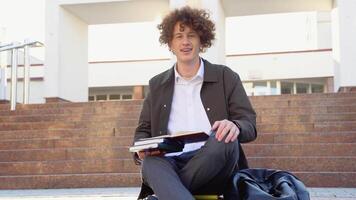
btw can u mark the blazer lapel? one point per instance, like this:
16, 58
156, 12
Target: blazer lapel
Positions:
166, 100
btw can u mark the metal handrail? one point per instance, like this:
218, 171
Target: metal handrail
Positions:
14, 54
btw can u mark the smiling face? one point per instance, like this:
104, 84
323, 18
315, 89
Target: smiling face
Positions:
185, 44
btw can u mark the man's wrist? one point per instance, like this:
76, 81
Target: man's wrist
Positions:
237, 125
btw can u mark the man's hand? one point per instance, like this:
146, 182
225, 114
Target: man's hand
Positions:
143, 154
226, 127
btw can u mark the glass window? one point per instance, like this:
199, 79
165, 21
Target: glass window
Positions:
248, 88
127, 96
260, 88
316, 88
91, 98
286, 88
114, 97
102, 97
274, 90
302, 88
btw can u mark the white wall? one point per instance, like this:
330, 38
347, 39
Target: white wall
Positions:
125, 73
73, 72
36, 92
271, 33
344, 43
125, 41
324, 36
35, 72
282, 66
66, 71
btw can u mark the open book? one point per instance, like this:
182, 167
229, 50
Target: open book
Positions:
169, 143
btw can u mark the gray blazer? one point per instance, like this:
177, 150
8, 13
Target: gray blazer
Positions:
222, 95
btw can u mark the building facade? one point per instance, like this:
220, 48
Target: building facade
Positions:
323, 64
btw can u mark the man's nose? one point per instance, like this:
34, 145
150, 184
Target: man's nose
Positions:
186, 40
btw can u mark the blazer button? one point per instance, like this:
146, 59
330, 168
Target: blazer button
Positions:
208, 109
165, 105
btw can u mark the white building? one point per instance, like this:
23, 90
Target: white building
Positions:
318, 60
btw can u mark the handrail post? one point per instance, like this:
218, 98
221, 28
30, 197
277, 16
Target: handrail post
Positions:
3, 78
13, 97
26, 76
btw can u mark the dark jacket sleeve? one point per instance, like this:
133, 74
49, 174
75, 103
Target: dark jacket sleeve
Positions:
239, 106
143, 129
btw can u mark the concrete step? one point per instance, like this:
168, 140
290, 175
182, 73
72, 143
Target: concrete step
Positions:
73, 110
324, 97
310, 164
315, 108
70, 181
325, 149
66, 133
328, 179
130, 125
261, 118
116, 141
304, 138
101, 180
284, 103
68, 117
296, 97
305, 163
64, 154
302, 110
259, 150
10, 126
65, 105
307, 127
69, 167
301, 118
110, 141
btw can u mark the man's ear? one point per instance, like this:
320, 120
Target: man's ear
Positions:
169, 47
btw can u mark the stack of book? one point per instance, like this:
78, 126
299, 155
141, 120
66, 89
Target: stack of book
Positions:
169, 143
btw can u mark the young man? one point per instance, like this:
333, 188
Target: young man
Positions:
194, 95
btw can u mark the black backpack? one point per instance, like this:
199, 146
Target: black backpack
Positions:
267, 184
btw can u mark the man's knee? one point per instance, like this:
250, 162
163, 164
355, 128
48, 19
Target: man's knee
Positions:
153, 165
219, 148
149, 163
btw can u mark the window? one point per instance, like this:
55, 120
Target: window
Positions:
302, 88
127, 96
91, 98
316, 88
102, 97
260, 88
114, 97
286, 88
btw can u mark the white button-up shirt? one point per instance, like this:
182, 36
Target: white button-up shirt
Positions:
187, 110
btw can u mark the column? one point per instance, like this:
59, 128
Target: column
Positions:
66, 59
278, 85
268, 92
329, 85
344, 44
138, 92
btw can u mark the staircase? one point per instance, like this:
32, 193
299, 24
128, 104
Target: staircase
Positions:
70, 145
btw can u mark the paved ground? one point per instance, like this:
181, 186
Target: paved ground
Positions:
131, 194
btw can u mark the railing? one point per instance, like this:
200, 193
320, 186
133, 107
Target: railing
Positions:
14, 47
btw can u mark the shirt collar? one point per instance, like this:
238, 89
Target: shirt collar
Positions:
199, 75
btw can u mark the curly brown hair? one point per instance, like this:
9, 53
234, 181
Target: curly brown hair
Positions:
196, 19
